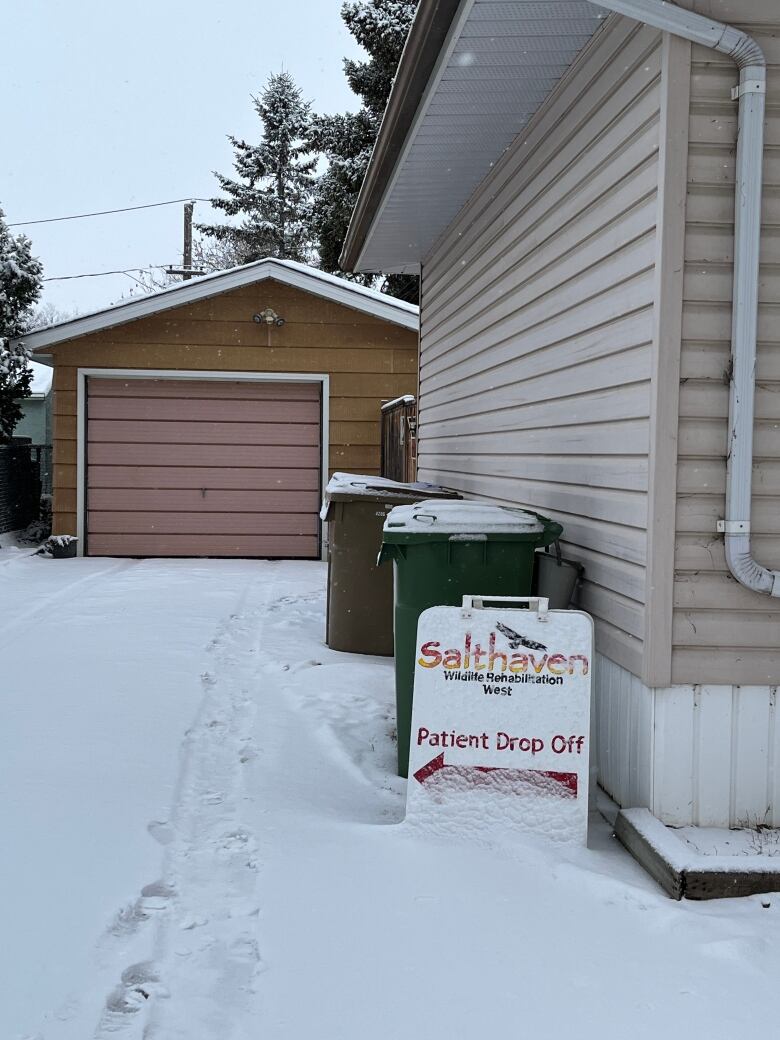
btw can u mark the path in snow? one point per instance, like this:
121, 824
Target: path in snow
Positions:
205, 950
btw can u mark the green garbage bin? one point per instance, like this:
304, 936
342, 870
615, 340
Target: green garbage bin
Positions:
359, 617
443, 551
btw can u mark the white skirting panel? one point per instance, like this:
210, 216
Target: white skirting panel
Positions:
703, 755
623, 734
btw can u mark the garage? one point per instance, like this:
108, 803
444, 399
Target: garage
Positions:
203, 467
205, 419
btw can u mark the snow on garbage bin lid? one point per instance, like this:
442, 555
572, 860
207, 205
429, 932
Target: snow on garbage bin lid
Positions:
353, 485
442, 517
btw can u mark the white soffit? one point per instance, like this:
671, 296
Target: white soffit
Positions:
501, 60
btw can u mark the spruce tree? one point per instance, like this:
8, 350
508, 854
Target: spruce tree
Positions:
20, 287
274, 189
381, 28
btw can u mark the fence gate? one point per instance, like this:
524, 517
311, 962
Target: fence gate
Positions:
399, 439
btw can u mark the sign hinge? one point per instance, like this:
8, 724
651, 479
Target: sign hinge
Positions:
751, 86
733, 527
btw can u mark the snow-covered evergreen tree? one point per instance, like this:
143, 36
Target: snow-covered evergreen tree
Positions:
20, 287
274, 190
381, 28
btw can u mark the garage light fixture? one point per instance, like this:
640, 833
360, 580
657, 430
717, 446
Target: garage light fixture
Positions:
268, 317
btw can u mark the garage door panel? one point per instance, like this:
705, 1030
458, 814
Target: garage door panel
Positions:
287, 546
213, 501
228, 477
134, 432
138, 522
203, 468
209, 390
204, 455
182, 409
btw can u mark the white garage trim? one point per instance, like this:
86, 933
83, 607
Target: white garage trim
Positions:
167, 373
288, 272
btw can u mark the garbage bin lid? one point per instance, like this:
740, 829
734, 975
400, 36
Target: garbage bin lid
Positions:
432, 518
351, 487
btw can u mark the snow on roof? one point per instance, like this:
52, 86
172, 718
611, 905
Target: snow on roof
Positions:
301, 276
41, 381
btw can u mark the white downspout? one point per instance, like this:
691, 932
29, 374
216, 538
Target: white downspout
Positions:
751, 93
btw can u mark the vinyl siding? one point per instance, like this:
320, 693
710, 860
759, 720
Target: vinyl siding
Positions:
368, 360
722, 632
538, 324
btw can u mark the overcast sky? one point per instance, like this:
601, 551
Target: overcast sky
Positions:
108, 105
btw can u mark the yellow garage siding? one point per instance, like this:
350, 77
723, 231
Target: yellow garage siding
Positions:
368, 359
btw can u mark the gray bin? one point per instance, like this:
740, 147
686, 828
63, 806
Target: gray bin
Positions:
556, 579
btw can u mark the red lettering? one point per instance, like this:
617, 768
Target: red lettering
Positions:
430, 650
493, 656
583, 659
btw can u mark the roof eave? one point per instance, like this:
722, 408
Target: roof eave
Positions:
297, 275
430, 28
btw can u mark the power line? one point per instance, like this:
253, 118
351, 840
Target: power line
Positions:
106, 212
102, 274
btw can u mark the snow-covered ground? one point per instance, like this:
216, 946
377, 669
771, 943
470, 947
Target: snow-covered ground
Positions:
202, 837
755, 841
14, 545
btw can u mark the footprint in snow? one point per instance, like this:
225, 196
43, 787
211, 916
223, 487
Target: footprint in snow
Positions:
190, 923
139, 983
235, 840
161, 831
127, 920
306, 664
156, 896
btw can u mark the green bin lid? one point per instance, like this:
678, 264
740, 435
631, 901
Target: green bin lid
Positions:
352, 487
437, 520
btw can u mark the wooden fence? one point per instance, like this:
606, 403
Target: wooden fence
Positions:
399, 439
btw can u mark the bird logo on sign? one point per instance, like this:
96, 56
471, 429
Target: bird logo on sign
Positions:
516, 640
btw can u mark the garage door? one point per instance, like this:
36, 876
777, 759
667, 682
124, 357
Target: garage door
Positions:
182, 467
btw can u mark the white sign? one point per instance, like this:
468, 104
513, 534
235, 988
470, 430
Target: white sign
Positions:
501, 716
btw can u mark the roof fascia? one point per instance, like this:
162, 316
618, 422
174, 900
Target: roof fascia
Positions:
396, 311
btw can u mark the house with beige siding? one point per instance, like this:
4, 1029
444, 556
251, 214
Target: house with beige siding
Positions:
562, 176
205, 419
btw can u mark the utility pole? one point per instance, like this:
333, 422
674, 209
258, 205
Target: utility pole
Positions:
188, 209
187, 270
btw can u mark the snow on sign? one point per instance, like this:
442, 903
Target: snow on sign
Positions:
501, 717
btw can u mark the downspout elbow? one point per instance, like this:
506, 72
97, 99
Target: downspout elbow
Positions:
747, 570
743, 49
